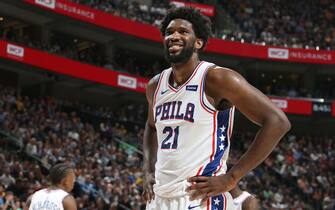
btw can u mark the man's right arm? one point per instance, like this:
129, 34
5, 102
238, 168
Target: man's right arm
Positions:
69, 203
149, 143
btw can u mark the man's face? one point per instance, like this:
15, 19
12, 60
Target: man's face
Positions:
69, 181
179, 41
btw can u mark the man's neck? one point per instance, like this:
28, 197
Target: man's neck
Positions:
181, 72
56, 187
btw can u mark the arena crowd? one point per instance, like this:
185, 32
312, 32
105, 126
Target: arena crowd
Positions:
296, 176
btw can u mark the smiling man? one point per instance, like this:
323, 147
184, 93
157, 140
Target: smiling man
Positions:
190, 121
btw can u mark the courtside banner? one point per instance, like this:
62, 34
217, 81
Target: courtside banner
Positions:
127, 81
61, 65
100, 18
46, 3
15, 51
293, 106
322, 108
204, 8
270, 53
71, 68
149, 32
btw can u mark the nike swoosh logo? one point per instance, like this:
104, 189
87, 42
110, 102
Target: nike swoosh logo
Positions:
192, 207
162, 92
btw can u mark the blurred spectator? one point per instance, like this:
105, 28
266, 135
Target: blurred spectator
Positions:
7, 179
307, 24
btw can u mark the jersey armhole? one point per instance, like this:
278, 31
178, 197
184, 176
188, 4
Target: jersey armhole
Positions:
206, 105
157, 89
231, 122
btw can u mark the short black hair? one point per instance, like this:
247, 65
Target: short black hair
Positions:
201, 24
58, 172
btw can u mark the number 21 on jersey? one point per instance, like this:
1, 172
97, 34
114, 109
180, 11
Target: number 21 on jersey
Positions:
168, 143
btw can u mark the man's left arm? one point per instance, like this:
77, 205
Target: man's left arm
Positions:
226, 84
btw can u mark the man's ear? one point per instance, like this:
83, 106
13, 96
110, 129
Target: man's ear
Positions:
199, 43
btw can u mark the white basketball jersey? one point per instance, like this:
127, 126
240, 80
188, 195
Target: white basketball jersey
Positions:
47, 199
193, 137
238, 201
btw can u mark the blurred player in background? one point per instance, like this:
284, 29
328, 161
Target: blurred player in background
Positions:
57, 195
190, 119
243, 200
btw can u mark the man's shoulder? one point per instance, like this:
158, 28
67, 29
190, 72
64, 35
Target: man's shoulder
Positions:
216, 69
152, 85
221, 82
154, 80
218, 73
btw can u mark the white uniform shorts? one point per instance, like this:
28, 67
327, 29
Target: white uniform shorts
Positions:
220, 202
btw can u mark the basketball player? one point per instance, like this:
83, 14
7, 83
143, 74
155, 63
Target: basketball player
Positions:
190, 119
56, 196
243, 200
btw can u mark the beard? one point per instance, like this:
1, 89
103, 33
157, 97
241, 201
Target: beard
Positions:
182, 57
